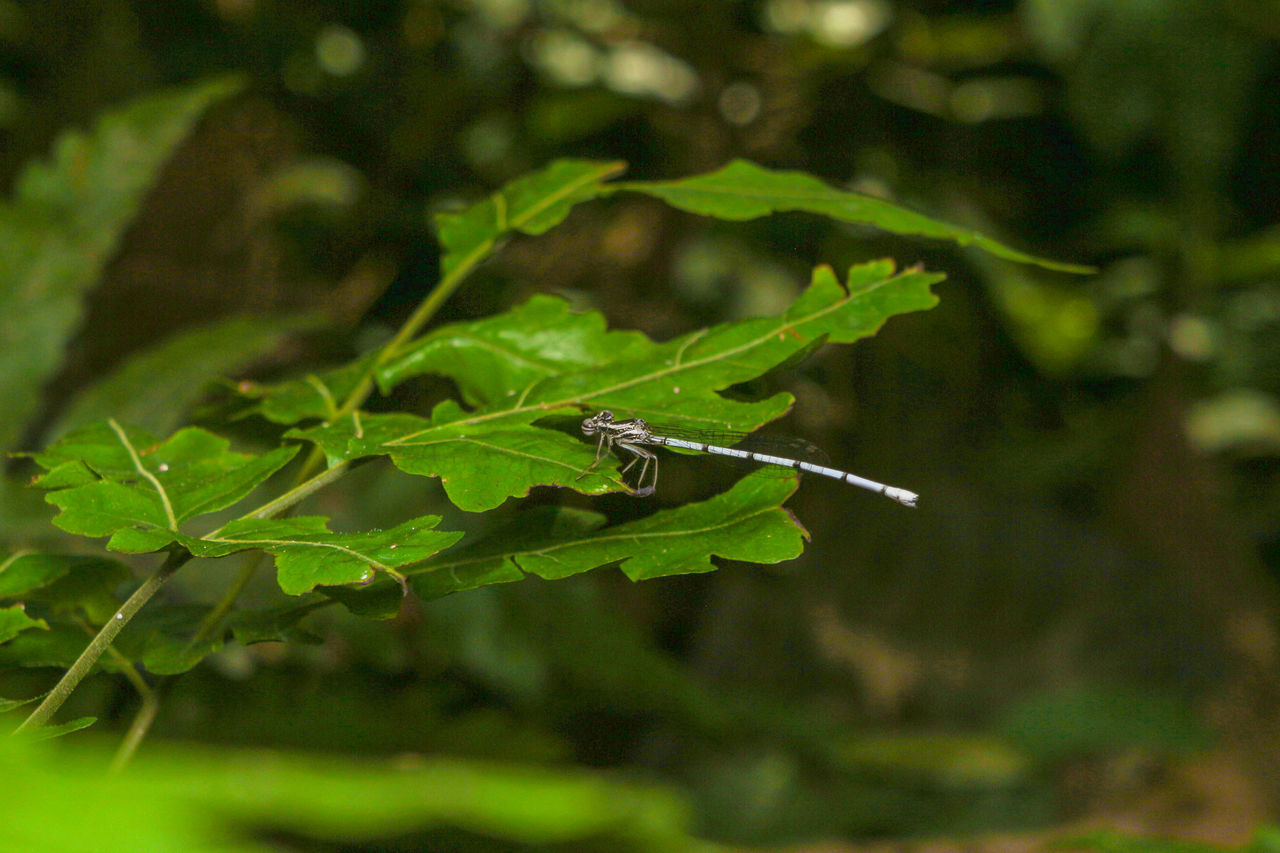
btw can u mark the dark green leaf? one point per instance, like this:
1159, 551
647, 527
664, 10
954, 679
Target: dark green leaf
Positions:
62, 225
57, 647
155, 388
308, 554
66, 582
280, 624
531, 204
494, 452
381, 600
147, 489
161, 638
14, 620
744, 190
317, 395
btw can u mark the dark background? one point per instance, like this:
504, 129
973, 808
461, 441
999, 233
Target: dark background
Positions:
1077, 625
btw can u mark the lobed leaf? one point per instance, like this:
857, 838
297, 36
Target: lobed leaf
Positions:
744, 523
145, 489
308, 554
64, 221
743, 190
496, 451
490, 359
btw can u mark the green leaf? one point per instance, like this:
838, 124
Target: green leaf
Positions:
155, 388
495, 452
7, 705
213, 798
308, 554
317, 395
161, 638
280, 624
14, 620
66, 582
60, 729
57, 647
63, 223
148, 489
532, 204
743, 190
744, 523
24, 571
489, 359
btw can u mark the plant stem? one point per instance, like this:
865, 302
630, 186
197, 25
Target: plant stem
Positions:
102, 641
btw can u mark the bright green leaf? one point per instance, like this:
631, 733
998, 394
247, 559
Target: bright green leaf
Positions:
147, 488
206, 798
64, 221
490, 359
308, 554
14, 620
744, 190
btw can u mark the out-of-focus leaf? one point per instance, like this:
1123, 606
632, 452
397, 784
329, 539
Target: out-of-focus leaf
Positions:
161, 638
87, 584
278, 624
531, 204
1054, 726
317, 395
494, 452
744, 190
936, 760
146, 488
205, 798
64, 220
23, 571
57, 647
14, 620
7, 705
308, 554
59, 729
154, 389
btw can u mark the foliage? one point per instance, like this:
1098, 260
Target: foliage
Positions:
1133, 136
200, 798
517, 372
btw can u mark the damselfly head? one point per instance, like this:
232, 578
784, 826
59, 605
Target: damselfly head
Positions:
596, 423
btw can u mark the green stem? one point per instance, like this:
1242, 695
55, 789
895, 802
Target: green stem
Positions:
142, 719
101, 642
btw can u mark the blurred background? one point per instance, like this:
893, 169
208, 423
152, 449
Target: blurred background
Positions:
1078, 626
